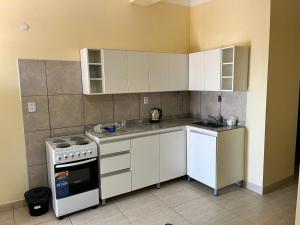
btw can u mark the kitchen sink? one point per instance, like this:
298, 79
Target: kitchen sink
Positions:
211, 124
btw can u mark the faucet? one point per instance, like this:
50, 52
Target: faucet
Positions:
218, 119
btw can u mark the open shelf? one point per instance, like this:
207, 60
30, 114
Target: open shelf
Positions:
228, 55
96, 86
227, 84
95, 71
227, 70
94, 56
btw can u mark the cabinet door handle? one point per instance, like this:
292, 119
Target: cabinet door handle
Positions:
114, 154
115, 172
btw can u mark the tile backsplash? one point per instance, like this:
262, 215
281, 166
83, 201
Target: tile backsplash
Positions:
62, 109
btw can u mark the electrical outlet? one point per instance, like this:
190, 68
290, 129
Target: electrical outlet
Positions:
219, 98
31, 107
146, 100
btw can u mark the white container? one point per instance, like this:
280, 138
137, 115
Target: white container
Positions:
232, 121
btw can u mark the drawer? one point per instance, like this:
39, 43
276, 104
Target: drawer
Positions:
114, 163
113, 147
115, 184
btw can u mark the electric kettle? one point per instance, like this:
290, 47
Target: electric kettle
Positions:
155, 115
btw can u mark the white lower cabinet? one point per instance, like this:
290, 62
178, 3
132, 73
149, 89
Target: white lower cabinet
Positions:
172, 160
145, 161
215, 160
115, 184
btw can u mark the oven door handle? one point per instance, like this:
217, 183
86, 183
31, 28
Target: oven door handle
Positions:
75, 164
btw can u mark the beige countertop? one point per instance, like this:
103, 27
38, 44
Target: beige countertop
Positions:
138, 128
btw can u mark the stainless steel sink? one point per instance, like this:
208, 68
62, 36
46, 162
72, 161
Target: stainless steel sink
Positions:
207, 123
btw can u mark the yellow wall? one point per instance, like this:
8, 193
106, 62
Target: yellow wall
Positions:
58, 30
283, 91
226, 22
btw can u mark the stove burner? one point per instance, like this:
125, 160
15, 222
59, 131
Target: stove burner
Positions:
64, 145
82, 142
59, 141
77, 138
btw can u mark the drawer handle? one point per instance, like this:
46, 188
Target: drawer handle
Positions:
114, 154
115, 172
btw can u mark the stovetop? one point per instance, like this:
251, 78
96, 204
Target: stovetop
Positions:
73, 141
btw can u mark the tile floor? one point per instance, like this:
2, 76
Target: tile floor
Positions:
180, 203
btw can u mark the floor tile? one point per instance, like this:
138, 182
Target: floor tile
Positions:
107, 215
176, 193
7, 217
163, 217
65, 221
204, 211
140, 205
22, 216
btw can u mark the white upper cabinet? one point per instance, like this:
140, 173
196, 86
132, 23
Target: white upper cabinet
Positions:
115, 71
223, 69
212, 68
196, 71
178, 72
138, 71
159, 71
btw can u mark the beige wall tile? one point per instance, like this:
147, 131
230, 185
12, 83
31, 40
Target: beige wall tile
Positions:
154, 101
98, 109
172, 104
185, 102
126, 107
65, 111
234, 104
210, 104
32, 77
37, 120
195, 103
37, 176
63, 77
35, 147
67, 131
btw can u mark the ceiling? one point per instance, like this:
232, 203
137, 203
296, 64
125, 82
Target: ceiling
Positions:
178, 2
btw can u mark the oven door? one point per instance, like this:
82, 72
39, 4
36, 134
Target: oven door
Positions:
76, 177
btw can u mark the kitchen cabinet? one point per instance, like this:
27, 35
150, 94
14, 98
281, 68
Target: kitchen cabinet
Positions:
212, 68
138, 71
115, 71
216, 160
196, 72
223, 69
158, 71
145, 161
172, 153
178, 72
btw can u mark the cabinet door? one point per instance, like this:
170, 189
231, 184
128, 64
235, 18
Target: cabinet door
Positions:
201, 158
145, 161
178, 72
158, 71
172, 155
115, 71
196, 71
138, 71
212, 70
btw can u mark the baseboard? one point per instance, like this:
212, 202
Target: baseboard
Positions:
254, 187
278, 184
11, 205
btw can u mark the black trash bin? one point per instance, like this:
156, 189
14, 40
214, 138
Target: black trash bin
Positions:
38, 200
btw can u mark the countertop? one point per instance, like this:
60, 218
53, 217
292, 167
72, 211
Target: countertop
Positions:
139, 128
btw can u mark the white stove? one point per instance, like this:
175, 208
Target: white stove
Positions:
73, 173
71, 148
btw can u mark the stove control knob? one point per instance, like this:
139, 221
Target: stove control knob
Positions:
84, 153
78, 154
65, 156
58, 158
72, 155
90, 152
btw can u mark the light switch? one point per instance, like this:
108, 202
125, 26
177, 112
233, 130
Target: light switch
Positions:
31, 107
146, 100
